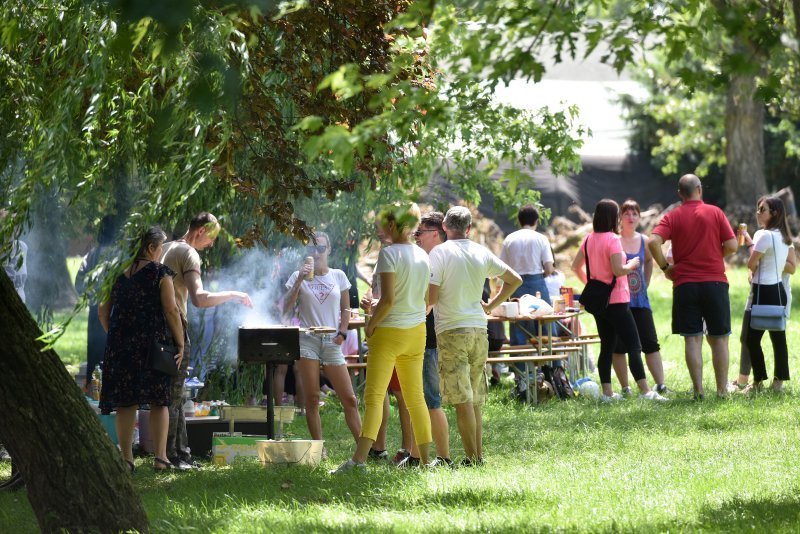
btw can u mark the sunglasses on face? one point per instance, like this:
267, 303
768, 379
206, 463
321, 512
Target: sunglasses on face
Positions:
420, 232
319, 249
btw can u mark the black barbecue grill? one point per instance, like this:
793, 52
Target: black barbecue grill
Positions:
271, 346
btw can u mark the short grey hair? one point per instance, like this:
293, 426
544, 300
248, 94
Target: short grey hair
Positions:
457, 219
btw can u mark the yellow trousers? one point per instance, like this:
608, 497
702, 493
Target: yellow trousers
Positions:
402, 349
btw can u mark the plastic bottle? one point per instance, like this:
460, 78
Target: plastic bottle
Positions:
97, 382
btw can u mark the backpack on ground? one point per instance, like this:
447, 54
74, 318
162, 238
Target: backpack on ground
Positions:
558, 379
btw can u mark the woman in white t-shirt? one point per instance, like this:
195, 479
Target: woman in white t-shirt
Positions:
769, 248
396, 332
323, 301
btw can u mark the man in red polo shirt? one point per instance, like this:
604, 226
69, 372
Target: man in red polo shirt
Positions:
701, 238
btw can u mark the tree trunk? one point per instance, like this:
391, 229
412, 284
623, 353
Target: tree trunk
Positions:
75, 477
745, 181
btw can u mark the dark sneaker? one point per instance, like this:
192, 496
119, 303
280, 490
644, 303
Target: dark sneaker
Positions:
401, 455
408, 462
447, 462
180, 465
347, 467
469, 462
381, 456
662, 389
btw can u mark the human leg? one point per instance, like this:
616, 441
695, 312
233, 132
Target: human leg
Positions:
125, 423
409, 365
340, 379
177, 438
456, 382
745, 366
279, 383
159, 425
625, 327
620, 364
433, 399
608, 336
781, 351
716, 309
693, 346
467, 428
720, 359
379, 371
308, 371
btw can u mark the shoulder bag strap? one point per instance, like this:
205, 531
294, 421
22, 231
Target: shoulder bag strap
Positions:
586, 254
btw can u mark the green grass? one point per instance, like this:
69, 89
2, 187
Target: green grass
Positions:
719, 465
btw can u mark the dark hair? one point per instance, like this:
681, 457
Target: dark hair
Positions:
630, 205
777, 219
606, 216
434, 221
528, 215
152, 236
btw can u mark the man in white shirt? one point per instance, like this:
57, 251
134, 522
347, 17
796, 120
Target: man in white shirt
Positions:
458, 270
528, 253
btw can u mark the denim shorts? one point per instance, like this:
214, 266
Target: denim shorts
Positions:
430, 379
322, 348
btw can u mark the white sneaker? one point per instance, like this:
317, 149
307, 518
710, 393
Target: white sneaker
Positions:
614, 397
652, 395
349, 465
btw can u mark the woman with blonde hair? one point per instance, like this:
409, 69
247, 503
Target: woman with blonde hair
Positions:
396, 332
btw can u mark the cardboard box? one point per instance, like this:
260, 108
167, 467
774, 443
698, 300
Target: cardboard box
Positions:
226, 448
568, 295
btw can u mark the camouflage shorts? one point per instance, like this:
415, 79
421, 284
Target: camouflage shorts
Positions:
462, 365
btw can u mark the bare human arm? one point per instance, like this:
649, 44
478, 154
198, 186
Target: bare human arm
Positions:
104, 314
730, 246
623, 270
344, 319
511, 281
648, 265
577, 265
549, 268
384, 305
206, 299
172, 315
791, 262
654, 245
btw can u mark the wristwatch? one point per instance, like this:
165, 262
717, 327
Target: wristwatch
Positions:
343, 334
665, 267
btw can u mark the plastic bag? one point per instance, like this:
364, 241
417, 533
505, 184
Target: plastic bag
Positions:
533, 306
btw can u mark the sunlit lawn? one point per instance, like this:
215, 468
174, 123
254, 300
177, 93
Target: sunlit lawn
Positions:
720, 465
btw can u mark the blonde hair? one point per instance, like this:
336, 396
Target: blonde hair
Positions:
404, 216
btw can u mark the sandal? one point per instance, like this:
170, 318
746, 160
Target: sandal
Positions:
130, 464
166, 464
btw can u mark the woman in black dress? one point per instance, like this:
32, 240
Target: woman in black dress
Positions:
141, 307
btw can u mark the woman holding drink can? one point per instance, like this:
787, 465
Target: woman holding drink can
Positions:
322, 300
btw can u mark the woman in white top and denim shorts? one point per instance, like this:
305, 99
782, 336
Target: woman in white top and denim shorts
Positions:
323, 301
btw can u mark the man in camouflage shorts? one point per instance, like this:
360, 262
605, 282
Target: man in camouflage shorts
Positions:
459, 268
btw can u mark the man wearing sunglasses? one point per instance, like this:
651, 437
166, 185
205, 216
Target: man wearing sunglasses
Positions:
181, 256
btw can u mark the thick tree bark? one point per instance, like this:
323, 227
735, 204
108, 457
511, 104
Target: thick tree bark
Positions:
75, 477
745, 180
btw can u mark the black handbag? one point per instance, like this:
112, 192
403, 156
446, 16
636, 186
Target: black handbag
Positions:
161, 358
768, 316
596, 294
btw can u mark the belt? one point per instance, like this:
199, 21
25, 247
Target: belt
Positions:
539, 276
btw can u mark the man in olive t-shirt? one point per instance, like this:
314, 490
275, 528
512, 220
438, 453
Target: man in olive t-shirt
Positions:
181, 256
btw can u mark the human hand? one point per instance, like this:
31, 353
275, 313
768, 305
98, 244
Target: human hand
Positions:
366, 302
748, 241
486, 308
339, 339
243, 299
632, 264
369, 330
305, 270
179, 357
668, 272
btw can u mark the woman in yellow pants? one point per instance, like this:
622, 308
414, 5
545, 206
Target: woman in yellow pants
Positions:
396, 332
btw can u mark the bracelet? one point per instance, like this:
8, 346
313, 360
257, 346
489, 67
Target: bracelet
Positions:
751, 245
340, 333
664, 268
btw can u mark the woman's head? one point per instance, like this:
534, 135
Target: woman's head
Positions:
319, 248
398, 221
630, 213
771, 214
606, 216
150, 243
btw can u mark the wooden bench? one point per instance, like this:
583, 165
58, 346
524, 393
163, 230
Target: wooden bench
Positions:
525, 361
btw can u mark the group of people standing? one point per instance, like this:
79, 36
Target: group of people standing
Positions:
701, 237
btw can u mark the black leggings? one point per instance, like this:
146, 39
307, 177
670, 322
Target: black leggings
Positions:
617, 320
768, 295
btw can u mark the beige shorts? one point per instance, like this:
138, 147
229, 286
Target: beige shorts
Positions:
462, 365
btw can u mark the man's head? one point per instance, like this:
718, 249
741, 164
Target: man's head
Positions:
690, 188
203, 230
457, 222
528, 215
430, 232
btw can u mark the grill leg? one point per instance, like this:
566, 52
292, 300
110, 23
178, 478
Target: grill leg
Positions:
270, 402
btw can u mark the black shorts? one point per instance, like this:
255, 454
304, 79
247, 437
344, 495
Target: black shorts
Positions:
643, 317
699, 304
